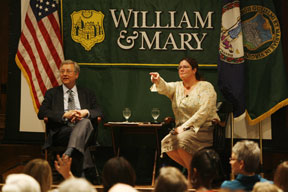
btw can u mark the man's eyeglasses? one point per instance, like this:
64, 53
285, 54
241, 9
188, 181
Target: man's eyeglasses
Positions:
69, 72
183, 66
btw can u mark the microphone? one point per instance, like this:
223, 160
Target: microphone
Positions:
187, 95
69, 100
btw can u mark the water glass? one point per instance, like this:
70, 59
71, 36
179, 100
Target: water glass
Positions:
126, 113
155, 114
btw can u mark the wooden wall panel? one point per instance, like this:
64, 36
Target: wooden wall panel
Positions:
4, 34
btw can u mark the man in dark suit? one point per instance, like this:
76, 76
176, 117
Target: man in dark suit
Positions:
70, 110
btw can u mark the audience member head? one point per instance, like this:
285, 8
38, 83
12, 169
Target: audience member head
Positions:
281, 176
20, 183
40, 170
121, 187
76, 184
117, 170
170, 179
245, 157
265, 187
206, 168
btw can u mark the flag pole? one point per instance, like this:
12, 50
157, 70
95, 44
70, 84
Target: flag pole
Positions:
62, 19
232, 177
261, 147
232, 129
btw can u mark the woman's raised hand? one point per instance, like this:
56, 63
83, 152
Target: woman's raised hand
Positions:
155, 77
63, 166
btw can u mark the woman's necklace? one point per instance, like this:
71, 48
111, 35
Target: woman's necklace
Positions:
188, 89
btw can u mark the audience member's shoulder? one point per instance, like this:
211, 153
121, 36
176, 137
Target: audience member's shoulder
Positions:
261, 179
265, 180
121, 187
232, 185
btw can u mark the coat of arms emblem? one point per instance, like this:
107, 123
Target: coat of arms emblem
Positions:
87, 28
262, 31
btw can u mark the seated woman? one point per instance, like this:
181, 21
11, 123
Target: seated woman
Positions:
194, 107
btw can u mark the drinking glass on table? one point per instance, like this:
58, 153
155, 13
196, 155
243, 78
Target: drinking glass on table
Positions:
126, 113
155, 114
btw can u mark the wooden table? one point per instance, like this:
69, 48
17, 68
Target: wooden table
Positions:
136, 128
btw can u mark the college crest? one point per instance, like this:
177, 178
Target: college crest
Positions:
87, 28
231, 46
262, 32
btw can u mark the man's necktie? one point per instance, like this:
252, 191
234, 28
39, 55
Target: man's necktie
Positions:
71, 104
71, 101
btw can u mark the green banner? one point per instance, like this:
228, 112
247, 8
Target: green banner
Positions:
130, 38
266, 81
140, 33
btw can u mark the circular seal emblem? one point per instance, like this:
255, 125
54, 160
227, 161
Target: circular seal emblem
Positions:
261, 30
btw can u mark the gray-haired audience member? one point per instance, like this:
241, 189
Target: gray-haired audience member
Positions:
21, 183
121, 187
76, 184
266, 187
245, 161
170, 179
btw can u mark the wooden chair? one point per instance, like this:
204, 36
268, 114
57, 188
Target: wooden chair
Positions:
51, 152
224, 109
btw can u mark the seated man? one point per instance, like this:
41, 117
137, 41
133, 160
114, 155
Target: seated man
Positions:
245, 161
69, 109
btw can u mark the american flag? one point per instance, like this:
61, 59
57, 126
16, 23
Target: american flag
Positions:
40, 49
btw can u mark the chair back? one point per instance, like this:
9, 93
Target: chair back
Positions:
224, 109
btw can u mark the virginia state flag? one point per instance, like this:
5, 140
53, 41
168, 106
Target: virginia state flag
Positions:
266, 83
231, 57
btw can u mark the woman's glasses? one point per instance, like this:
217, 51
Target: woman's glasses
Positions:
183, 66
